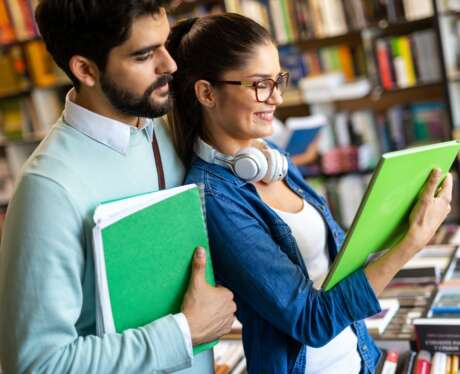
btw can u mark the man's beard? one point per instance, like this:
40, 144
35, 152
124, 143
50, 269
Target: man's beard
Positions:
131, 104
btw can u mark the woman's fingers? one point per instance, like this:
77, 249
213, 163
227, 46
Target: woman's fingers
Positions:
432, 184
445, 191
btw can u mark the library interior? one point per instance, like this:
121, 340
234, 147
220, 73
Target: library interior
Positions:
366, 77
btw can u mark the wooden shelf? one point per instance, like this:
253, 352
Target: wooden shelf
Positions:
354, 36
378, 101
386, 99
26, 91
407, 27
4, 95
20, 42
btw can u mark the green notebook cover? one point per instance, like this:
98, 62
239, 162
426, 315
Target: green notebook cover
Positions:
382, 218
148, 256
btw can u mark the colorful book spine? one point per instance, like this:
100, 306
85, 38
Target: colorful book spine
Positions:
384, 65
406, 56
346, 62
41, 65
7, 34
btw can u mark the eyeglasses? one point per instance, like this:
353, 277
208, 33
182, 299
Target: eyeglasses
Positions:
265, 87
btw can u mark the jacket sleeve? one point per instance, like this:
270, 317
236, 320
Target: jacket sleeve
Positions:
42, 267
252, 265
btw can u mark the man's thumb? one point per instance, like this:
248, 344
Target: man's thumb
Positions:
198, 267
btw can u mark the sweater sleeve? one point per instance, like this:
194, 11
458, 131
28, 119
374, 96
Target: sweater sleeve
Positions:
42, 265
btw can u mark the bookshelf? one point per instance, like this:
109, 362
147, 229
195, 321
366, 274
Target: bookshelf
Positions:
318, 44
32, 91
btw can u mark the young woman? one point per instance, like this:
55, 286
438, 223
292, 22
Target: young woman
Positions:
272, 237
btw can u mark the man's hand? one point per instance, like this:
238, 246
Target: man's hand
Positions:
210, 311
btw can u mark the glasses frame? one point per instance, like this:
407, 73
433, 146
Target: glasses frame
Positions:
254, 84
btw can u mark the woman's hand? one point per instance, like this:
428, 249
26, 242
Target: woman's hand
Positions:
427, 215
429, 212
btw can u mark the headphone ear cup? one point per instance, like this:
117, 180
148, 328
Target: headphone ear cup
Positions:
250, 164
273, 161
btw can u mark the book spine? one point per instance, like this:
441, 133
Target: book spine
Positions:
423, 363
28, 17
391, 363
384, 62
406, 55
41, 65
277, 18
7, 34
346, 62
18, 19
286, 20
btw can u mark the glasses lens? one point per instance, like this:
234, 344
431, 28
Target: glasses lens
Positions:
264, 89
282, 82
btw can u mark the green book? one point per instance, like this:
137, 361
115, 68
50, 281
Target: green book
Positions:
143, 250
383, 216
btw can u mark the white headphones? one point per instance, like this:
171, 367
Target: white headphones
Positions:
252, 164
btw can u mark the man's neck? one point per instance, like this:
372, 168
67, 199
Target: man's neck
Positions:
100, 105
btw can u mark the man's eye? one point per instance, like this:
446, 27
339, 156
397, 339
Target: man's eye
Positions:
144, 57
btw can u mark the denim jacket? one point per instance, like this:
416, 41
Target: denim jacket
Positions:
256, 256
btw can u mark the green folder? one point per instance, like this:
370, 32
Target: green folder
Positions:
143, 249
382, 218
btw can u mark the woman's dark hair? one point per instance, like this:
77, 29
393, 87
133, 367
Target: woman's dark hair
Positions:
205, 48
89, 28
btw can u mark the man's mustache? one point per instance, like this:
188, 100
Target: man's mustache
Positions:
164, 79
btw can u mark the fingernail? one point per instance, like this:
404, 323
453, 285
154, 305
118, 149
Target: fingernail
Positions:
200, 252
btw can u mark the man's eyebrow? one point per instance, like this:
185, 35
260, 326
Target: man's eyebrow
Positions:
143, 51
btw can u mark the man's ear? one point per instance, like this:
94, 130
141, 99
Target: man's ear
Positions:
84, 70
205, 94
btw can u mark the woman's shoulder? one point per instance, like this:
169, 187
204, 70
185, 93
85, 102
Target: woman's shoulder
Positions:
215, 179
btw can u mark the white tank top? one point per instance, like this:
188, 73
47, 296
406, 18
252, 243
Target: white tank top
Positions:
340, 355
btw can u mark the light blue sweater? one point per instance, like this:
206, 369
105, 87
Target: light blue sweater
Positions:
47, 315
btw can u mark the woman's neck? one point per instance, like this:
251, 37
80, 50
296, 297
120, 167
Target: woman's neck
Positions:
224, 142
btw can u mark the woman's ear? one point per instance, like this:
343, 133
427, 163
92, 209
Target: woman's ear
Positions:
84, 70
205, 93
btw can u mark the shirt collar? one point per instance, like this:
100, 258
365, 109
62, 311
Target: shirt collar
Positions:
112, 133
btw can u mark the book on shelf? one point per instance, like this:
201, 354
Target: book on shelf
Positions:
417, 9
29, 117
143, 250
13, 72
42, 68
22, 17
7, 34
377, 324
331, 87
449, 28
417, 275
15, 118
298, 133
404, 61
438, 334
391, 363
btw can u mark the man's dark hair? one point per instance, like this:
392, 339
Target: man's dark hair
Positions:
89, 28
